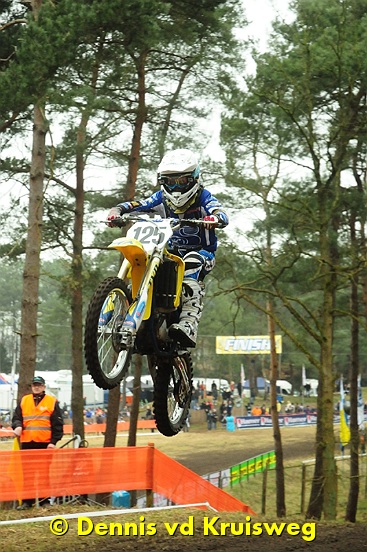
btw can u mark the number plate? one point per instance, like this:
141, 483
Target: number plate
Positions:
151, 234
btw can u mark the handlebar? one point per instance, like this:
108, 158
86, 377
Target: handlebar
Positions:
121, 221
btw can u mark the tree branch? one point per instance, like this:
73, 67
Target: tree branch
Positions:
11, 23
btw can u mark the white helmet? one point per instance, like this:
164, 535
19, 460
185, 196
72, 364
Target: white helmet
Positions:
179, 177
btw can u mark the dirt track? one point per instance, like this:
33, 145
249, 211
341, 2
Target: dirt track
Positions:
209, 451
203, 452
329, 538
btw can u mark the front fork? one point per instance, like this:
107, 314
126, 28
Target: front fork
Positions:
138, 308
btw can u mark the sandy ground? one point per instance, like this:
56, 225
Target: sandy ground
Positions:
204, 452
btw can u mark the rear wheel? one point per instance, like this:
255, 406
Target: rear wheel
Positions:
172, 392
106, 360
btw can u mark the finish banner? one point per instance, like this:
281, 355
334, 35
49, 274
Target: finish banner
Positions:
246, 345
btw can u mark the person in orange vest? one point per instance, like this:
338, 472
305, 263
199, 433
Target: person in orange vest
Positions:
37, 422
256, 411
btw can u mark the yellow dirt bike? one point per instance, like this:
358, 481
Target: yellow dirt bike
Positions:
130, 313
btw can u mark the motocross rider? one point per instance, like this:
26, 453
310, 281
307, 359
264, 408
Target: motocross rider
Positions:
182, 195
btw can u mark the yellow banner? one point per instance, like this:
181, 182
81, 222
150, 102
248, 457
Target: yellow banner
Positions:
246, 345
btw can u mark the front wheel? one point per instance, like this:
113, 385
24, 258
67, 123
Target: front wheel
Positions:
172, 392
106, 360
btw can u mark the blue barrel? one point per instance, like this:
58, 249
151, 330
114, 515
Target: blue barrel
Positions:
121, 499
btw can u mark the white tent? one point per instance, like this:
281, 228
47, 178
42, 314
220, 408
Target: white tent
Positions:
5, 397
314, 384
59, 383
284, 387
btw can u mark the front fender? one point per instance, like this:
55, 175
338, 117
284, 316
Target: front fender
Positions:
135, 254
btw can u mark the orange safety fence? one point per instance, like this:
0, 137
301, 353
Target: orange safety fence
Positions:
101, 428
93, 428
59, 472
187, 487
6, 433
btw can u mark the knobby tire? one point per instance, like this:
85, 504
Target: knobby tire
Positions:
100, 354
171, 411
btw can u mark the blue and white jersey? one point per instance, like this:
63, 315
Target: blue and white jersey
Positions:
187, 238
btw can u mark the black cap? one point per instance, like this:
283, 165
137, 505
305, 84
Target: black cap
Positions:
38, 379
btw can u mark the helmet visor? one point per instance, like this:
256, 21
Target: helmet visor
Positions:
179, 183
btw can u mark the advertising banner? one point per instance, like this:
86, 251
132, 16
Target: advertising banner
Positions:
246, 422
251, 467
246, 345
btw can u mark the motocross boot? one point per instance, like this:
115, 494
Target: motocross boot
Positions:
185, 331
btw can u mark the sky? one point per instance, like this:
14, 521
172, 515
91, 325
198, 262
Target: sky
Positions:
260, 14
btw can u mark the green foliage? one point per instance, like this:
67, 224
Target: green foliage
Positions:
304, 79
305, 110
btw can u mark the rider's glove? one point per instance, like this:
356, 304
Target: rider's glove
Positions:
125, 207
213, 219
115, 213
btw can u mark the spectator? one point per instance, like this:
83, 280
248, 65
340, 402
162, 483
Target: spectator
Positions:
362, 438
229, 406
100, 415
208, 419
196, 396
38, 423
186, 425
230, 423
223, 416
149, 416
256, 411
214, 418
289, 408
89, 415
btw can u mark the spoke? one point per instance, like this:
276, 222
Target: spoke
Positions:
104, 348
106, 351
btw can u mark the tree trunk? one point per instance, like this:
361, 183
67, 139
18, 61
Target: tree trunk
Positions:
314, 510
327, 414
252, 379
134, 165
279, 468
134, 414
77, 403
111, 432
112, 417
324, 486
31, 273
141, 115
353, 391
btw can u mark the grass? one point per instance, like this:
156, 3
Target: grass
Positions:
251, 490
